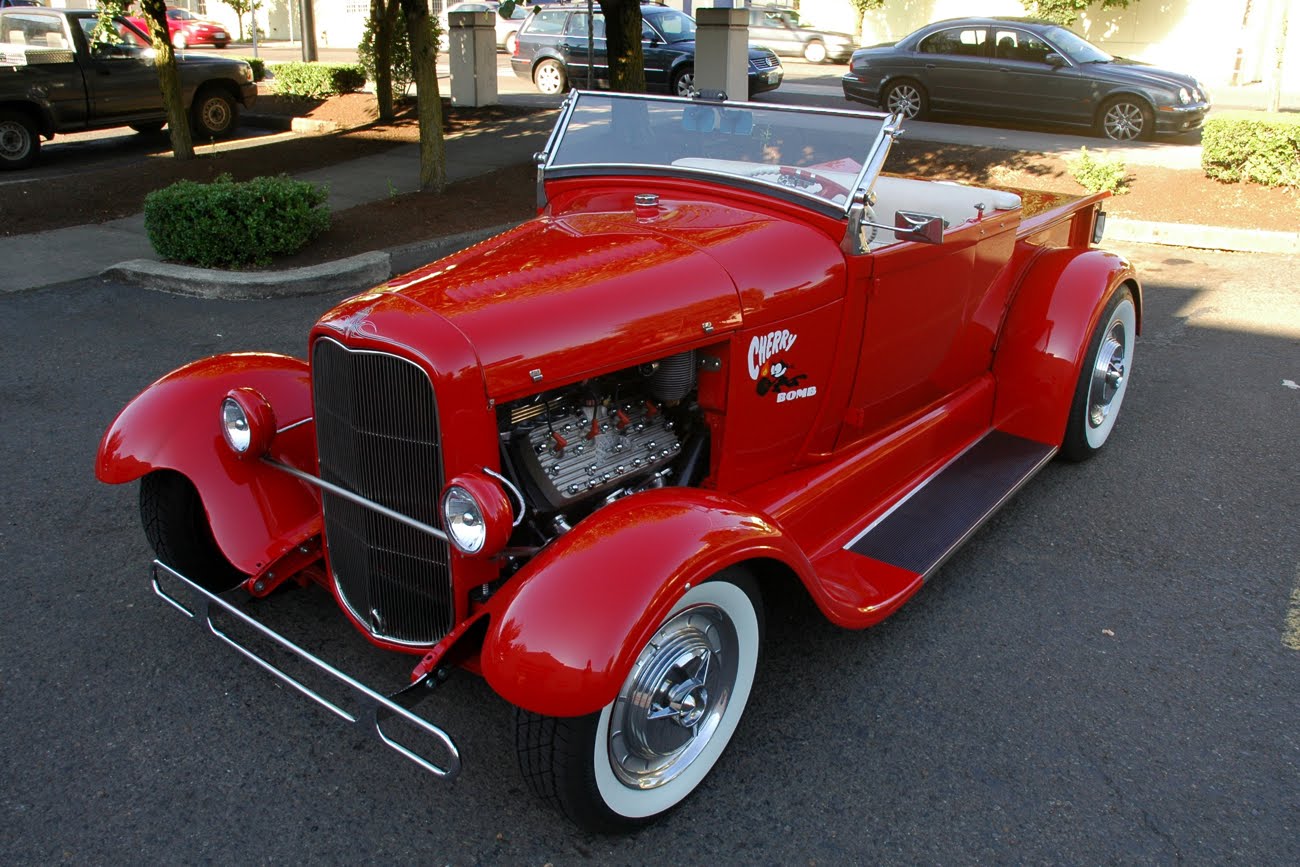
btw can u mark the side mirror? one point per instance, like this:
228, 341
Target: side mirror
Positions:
918, 227
1053, 59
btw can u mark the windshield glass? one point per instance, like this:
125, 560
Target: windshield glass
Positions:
817, 154
1076, 47
672, 25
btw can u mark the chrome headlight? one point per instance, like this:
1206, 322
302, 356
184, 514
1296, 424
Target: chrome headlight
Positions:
247, 422
476, 515
1183, 96
245, 70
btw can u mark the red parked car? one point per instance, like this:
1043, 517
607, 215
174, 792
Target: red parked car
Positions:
573, 459
188, 29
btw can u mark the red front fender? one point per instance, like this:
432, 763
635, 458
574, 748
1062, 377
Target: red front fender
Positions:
256, 511
1041, 347
566, 631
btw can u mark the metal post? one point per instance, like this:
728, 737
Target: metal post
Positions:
253, 15
308, 30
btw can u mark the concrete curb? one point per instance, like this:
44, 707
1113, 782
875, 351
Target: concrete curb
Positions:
1202, 237
352, 274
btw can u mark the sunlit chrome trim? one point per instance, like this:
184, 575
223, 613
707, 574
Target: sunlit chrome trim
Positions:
290, 427
358, 499
375, 708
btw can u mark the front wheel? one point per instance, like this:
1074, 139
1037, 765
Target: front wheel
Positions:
177, 527
1103, 380
814, 51
550, 78
179, 40
907, 98
213, 114
646, 751
20, 140
1125, 119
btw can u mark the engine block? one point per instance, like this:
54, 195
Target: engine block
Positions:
585, 448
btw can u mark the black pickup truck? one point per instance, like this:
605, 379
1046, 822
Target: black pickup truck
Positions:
54, 78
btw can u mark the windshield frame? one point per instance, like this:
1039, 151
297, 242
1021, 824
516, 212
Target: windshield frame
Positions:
880, 134
1074, 47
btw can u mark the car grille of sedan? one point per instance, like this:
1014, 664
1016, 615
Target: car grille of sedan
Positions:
766, 61
377, 434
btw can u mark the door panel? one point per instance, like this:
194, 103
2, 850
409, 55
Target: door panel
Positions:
955, 69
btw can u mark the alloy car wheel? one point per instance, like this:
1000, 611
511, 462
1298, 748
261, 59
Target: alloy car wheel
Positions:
20, 141
814, 51
684, 83
550, 78
906, 98
1126, 120
646, 751
1103, 379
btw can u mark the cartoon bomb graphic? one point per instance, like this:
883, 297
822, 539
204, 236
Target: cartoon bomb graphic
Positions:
773, 378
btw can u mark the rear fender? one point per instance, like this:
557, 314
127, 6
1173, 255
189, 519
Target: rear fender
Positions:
258, 513
565, 632
1040, 350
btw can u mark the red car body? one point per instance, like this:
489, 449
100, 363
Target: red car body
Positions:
846, 405
188, 29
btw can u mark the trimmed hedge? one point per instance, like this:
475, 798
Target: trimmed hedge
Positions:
315, 80
258, 64
231, 223
1097, 172
1264, 150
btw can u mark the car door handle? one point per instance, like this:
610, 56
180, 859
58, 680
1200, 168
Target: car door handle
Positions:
929, 66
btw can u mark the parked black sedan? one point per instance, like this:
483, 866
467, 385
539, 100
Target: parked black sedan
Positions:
1026, 69
551, 51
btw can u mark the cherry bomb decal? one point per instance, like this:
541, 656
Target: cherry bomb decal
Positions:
770, 368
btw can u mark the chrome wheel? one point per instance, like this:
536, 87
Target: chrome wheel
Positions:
814, 52
684, 85
906, 99
1124, 121
512, 41
1103, 380
19, 141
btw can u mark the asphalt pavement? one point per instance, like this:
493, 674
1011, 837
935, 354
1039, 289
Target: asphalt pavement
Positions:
1109, 672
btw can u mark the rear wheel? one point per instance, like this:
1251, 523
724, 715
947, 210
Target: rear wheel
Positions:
684, 81
177, 527
179, 40
1103, 380
20, 140
213, 114
512, 41
646, 751
549, 76
906, 97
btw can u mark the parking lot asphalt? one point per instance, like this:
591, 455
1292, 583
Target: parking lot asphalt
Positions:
1102, 675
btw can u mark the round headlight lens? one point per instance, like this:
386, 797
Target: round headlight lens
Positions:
234, 424
1183, 96
464, 520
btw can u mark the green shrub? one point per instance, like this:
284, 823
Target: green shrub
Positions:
258, 64
399, 56
1265, 150
231, 223
1097, 173
316, 80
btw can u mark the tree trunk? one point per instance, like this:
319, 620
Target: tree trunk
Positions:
169, 79
383, 16
424, 59
623, 41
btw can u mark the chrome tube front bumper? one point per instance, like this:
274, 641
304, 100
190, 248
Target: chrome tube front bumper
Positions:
373, 708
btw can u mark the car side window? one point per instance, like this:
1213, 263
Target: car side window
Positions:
578, 26
41, 31
118, 43
549, 21
959, 41
1019, 45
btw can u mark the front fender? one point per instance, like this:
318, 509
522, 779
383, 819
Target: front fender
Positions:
256, 511
1040, 350
564, 634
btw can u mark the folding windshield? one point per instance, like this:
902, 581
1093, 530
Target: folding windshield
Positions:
819, 156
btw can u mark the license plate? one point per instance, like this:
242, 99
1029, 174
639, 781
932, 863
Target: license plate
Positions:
220, 34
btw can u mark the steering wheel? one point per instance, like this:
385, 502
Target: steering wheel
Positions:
805, 179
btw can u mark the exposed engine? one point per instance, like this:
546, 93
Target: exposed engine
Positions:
579, 447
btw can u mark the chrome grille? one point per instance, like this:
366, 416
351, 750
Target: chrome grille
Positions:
377, 434
765, 61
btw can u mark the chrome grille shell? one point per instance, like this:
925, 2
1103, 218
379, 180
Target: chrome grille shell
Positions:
378, 436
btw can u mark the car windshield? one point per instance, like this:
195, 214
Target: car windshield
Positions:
814, 154
181, 14
672, 25
1076, 47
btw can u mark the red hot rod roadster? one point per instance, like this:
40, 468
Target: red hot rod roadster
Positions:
728, 351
